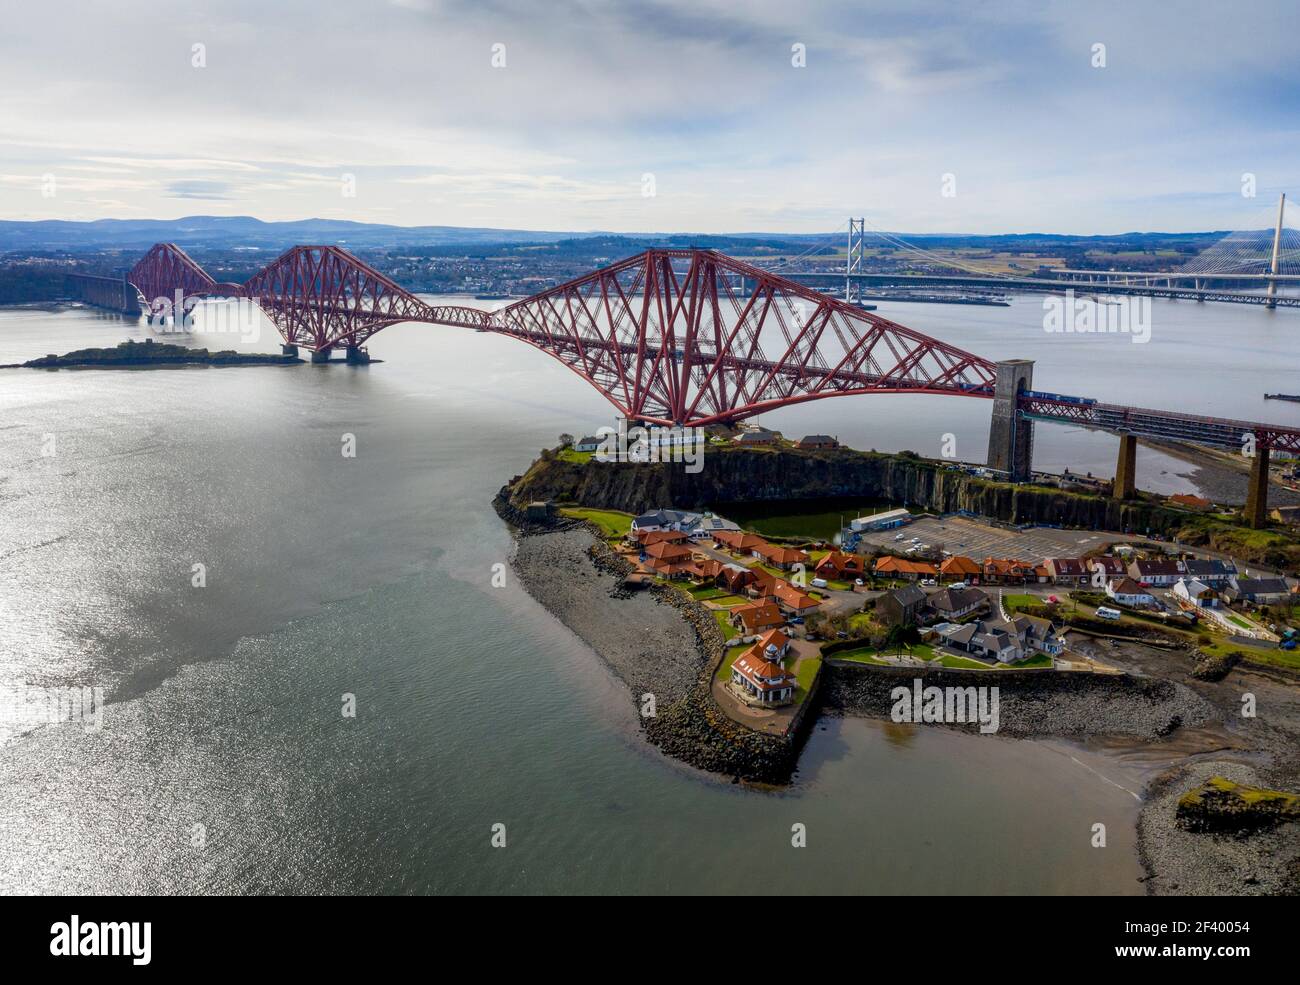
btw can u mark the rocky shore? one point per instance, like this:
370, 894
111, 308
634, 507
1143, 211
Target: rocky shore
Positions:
1034, 703
658, 643
1183, 862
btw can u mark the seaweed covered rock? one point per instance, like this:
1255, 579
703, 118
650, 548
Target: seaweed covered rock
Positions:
1214, 667
1221, 806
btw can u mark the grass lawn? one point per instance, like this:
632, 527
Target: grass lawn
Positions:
724, 668
579, 457
728, 631
1238, 621
864, 656
614, 523
706, 593
1019, 601
1037, 660
961, 663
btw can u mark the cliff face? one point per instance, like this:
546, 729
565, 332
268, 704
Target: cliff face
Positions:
731, 475
735, 474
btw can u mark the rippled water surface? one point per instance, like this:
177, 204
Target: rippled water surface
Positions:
370, 576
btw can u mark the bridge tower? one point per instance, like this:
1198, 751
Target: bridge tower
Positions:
1277, 244
853, 260
1011, 436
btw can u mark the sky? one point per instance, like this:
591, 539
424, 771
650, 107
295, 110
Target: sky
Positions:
646, 116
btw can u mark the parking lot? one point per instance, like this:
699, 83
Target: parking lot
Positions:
960, 535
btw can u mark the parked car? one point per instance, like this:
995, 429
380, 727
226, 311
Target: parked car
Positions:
1107, 613
818, 583
796, 620
957, 585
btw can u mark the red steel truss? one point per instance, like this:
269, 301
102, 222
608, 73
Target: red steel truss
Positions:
668, 336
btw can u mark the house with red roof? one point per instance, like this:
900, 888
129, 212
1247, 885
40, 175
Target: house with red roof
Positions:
758, 676
757, 618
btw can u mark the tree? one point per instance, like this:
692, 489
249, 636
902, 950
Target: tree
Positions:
566, 440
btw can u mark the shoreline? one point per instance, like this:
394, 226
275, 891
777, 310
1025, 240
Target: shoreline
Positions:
1154, 711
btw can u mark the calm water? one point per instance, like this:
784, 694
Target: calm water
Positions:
371, 576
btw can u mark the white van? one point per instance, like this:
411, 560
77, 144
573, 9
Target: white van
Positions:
818, 583
1105, 613
958, 585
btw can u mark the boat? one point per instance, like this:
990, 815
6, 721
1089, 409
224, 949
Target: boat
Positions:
1283, 396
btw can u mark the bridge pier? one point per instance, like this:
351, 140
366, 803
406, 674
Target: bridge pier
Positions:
1256, 511
289, 350
321, 356
1011, 437
1125, 485
357, 356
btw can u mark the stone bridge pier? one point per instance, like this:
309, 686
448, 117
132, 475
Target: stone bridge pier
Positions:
1011, 437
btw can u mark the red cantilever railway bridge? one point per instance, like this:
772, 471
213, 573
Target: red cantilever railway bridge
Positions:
678, 337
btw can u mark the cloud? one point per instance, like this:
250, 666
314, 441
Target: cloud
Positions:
404, 96
216, 191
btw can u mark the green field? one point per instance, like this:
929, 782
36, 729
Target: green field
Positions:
614, 523
579, 457
812, 519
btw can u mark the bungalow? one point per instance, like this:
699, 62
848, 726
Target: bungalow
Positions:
666, 551
960, 568
817, 441
1126, 591
758, 436
661, 520
705, 569
670, 569
1211, 572
759, 679
952, 604
1156, 571
733, 577
647, 537
1072, 571
901, 607
1196, 592
736, 541
784, 558
791, 600
837, 564
756, 618
1261, 591
897, 567
590, 443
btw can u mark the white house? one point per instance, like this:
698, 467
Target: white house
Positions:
1196, 592
1126, 591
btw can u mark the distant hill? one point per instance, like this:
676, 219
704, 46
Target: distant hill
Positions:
231, 231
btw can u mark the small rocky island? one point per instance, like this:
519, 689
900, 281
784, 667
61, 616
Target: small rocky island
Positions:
149, 353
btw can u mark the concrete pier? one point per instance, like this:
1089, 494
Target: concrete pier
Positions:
357, 356
1011, 437
1125, 486
323, 356
289, 350
1256, 509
